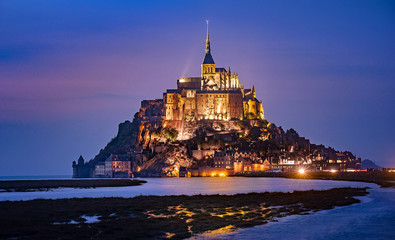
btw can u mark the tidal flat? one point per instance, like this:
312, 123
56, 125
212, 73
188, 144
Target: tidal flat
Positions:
160, 217
45, 185
382, 178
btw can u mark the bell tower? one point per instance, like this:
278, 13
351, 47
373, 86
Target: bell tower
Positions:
208, 65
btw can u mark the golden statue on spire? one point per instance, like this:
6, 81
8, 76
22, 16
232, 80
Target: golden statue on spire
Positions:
207, 41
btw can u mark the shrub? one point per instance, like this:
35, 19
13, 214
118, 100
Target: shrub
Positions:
169, 133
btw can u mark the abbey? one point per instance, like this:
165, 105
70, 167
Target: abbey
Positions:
216, 95
209, 125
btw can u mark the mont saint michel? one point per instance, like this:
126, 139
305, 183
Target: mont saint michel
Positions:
197, 120
210, 125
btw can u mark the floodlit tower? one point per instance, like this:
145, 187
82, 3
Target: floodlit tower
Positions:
208, 65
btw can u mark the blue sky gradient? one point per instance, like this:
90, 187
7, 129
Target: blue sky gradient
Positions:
71, 71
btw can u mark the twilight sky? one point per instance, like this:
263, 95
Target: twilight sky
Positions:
71, 71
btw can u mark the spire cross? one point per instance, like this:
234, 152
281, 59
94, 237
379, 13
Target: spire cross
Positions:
207, 41
207, 29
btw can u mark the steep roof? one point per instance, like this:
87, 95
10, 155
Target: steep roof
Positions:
208, 59
220, 70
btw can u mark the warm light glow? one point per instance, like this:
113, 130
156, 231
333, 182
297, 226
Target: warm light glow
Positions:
213, 174
333, 170
301, 171
222, 174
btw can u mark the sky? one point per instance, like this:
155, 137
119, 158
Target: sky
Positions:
71, 71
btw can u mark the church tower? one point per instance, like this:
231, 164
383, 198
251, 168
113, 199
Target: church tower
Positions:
208, 65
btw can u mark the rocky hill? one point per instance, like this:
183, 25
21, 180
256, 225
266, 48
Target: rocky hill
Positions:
369, 164
159, 148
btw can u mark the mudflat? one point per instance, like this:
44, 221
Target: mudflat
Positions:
384, 179
44, 185
157, 217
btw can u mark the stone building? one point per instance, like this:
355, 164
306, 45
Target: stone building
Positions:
99, 170
118, 166
216, 95
81, 168
227, 159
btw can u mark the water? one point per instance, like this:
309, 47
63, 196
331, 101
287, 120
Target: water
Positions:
36, 177
187, 186
374, 218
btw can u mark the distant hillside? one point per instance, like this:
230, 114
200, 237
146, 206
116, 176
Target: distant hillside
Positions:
365, 164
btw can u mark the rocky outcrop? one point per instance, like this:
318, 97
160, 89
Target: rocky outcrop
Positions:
160, 147
167, 163
369, 164
123, 143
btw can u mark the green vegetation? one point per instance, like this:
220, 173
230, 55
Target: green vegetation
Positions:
44, 185
155, 217
169, 133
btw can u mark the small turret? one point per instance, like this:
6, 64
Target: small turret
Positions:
81, 160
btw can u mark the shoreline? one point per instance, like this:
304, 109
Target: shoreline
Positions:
176, 217
46, 185
383, 179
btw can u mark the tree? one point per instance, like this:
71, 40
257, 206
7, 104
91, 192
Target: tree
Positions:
169, 133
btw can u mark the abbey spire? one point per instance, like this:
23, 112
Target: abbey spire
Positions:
208, 59
207, 41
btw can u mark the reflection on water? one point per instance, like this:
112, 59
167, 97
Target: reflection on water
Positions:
214, 233
189, 186
374, 218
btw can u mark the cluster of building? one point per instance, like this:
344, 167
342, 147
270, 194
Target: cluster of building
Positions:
230, 162
115, 166
215, 95
233, 162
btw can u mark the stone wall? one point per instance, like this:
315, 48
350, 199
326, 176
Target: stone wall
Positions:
200, 154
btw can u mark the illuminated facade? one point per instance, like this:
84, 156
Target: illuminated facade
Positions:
215, 95
117, 165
